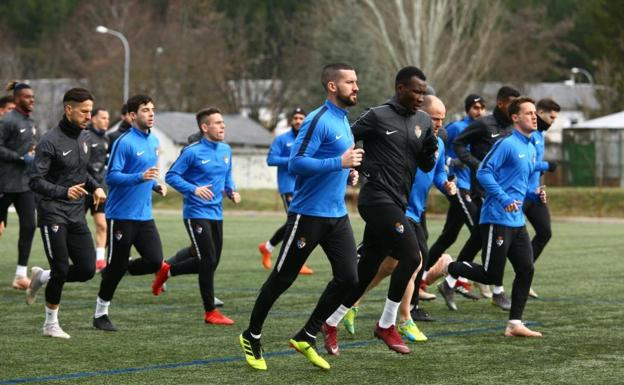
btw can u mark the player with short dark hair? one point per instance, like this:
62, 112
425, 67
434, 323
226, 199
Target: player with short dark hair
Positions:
7, 104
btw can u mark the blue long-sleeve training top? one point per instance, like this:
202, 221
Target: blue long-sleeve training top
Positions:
422, 184
279, 153
129, 196
540, 165
504, 174
203, 163
316, 160
462, 174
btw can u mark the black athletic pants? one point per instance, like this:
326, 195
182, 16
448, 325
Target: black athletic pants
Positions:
122, 235
387, 232
278, 236
61, 243
461, 211
207, 240
303, 234
500, 243
421, 235
539, 216
25, 207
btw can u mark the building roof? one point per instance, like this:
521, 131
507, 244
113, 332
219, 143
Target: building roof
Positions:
613, 121
240, 130
580, 96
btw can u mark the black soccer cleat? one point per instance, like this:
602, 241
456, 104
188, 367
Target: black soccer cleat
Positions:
104, 323
447, 293
501, 301
419, 314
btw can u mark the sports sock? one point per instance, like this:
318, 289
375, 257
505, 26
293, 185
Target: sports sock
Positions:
388, 317
100, 253
44, 277
21, 271
424, 276
515, 322
497, 289
451, 281
269, 246
337, 316
462, 279
51, 316
101, 307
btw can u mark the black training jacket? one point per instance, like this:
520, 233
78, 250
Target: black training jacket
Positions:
396, 143
98, 143
18, 136
114, 135
61, 161
480, 135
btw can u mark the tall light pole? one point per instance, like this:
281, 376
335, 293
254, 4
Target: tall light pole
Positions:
124, 41
576, 70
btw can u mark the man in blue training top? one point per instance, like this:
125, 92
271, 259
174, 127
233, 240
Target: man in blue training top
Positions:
202, 173
504, 175
131, 177
322, 158
278, 156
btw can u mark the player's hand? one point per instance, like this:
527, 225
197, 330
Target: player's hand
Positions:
552, 165
450, 187
352, 157
235, 197
76, 192
513, 207
204, 192
99, 196
354, 177
161, 189
541, 191
152, 173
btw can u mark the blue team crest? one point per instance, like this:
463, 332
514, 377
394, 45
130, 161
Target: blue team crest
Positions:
399, 228
301, 242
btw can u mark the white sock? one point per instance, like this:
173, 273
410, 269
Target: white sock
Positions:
337, 316
269, 246
51, 316
497, 289
101, 307
388, 317
462, 279
21, 271
44, 277
100, 253
424, 277
515, 322
451, 281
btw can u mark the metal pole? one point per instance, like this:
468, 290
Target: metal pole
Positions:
124, 42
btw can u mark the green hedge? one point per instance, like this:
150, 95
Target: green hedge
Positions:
563, 201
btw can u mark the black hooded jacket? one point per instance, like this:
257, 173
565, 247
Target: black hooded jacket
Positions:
396, 142
61, 161
17, 137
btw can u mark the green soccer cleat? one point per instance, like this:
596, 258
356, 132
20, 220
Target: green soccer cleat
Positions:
310, 353
253, 352
349, 319
411, 331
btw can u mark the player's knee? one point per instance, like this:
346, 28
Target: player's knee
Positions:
545, 234
86, 273
100, 227
60, 272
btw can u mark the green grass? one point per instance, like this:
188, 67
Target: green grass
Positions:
579, 278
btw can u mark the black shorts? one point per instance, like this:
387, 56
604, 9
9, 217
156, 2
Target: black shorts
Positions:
90, 207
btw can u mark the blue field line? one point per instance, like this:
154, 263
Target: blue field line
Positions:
223, 360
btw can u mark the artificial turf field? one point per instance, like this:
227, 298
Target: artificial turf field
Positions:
163, 340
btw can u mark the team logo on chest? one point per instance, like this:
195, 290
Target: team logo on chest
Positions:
399, 228
54, 228
118, 235
199, 229
85, 148
417, 131
301, 242
226, 160
499, 241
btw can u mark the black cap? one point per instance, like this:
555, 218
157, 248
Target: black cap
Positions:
297, 110
471, 100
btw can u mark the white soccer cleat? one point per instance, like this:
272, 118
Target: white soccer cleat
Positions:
35, 284
54, 330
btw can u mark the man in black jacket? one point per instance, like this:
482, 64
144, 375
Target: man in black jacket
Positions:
126, 123
471, 146
59, 175
98, 143
398, 139
17, 141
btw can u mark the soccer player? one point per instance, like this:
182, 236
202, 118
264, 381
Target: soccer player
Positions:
97, 168
537, 212
471, 146
124, 125
398, 139
322, 158
202, 174
18, 138
278, 156
59, 175
7, 104
504, 174
132, 175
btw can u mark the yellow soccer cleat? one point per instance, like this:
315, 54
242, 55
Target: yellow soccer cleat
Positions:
310, 353
411, 331
253, 352
349, 319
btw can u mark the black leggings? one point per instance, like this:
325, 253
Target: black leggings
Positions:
122, 235
539, 216
500, 243
303, 234
61, 243
25, 207
421, 234
278, 236
207, 240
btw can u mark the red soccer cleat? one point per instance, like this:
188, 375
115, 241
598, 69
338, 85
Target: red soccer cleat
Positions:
216, 318
330, 333
161, 277
392, 339
266, 256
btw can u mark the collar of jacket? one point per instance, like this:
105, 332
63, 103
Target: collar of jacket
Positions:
69, 128
141, 132
209, 142
541, 124
521, 136
96, 131
501, 118
398, 107
334, 108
